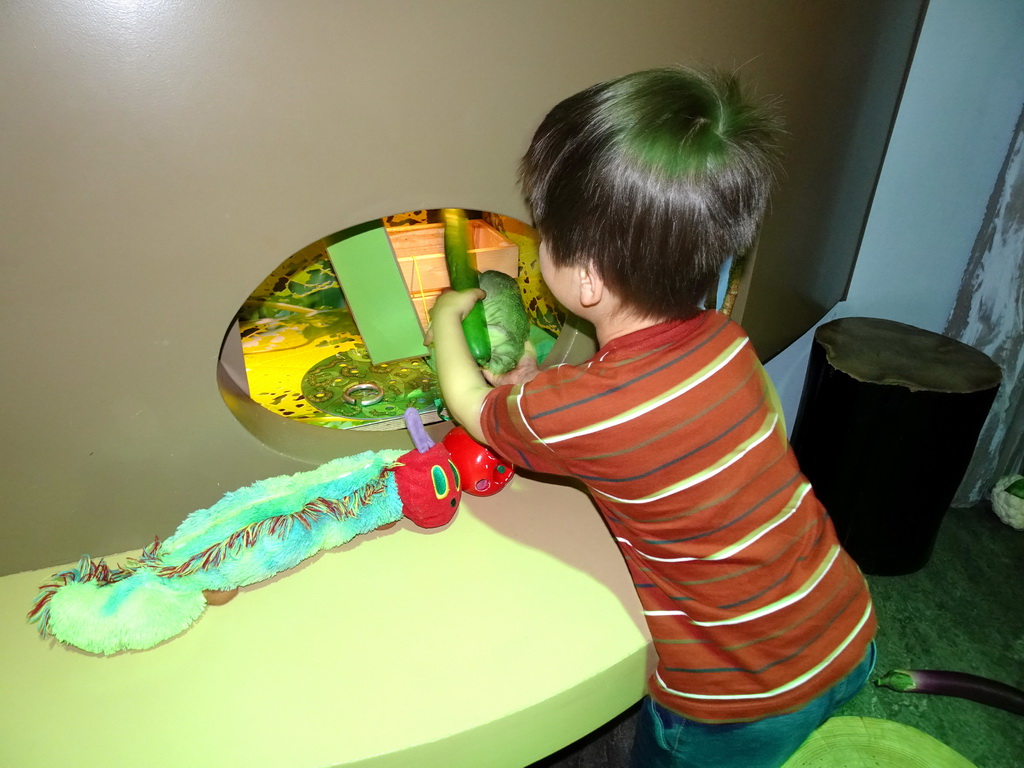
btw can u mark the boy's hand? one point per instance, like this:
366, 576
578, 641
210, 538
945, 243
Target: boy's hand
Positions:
462, 385
452, 305
524, 371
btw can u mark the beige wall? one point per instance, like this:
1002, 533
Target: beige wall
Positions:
159, 158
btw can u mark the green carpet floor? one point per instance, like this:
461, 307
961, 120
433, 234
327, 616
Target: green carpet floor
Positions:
963, 611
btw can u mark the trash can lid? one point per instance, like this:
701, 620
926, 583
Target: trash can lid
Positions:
886, 352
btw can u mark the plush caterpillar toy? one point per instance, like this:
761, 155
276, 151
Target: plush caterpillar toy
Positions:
258, 531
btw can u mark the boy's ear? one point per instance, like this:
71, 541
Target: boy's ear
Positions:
591, 285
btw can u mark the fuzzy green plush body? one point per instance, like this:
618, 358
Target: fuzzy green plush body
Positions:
249, 535
246, 537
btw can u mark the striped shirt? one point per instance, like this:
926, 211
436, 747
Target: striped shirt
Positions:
754, 607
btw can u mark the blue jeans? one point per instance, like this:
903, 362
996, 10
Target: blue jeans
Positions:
667, 740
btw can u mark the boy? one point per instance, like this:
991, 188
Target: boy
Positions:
641, 188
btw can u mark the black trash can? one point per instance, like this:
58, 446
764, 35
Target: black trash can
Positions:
888, 421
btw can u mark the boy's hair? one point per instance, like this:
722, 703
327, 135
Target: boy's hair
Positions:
656, 179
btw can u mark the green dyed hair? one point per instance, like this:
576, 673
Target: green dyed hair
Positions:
656, 179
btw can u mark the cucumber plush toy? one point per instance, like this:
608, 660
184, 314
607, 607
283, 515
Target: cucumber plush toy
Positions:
497, 328
463, 276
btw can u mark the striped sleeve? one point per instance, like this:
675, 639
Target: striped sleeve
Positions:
508, 415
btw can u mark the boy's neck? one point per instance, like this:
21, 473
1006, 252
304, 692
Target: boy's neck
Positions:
613, 321
607, 331
611, 318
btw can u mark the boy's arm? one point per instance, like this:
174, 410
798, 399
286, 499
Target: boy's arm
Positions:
462, 383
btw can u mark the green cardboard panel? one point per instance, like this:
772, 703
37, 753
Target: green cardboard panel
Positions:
376, 294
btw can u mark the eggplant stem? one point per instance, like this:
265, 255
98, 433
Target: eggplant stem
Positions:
896, 680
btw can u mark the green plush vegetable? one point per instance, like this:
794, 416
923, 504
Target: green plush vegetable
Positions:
508, 326
463, 276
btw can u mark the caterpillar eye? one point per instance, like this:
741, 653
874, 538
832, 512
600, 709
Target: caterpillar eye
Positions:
456, 475
440, 481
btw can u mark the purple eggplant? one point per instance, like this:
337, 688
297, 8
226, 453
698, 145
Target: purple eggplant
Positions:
960, 684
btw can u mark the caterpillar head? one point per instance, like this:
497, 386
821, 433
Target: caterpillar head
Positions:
428, 481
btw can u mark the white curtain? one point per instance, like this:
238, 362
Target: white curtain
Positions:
989, 315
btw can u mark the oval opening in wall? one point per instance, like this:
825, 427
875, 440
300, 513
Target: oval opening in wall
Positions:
328, 348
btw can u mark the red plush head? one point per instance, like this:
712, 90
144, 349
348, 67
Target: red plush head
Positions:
483, 472
428, 485
428, 482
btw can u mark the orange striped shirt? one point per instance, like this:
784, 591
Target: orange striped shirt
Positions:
754, 607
